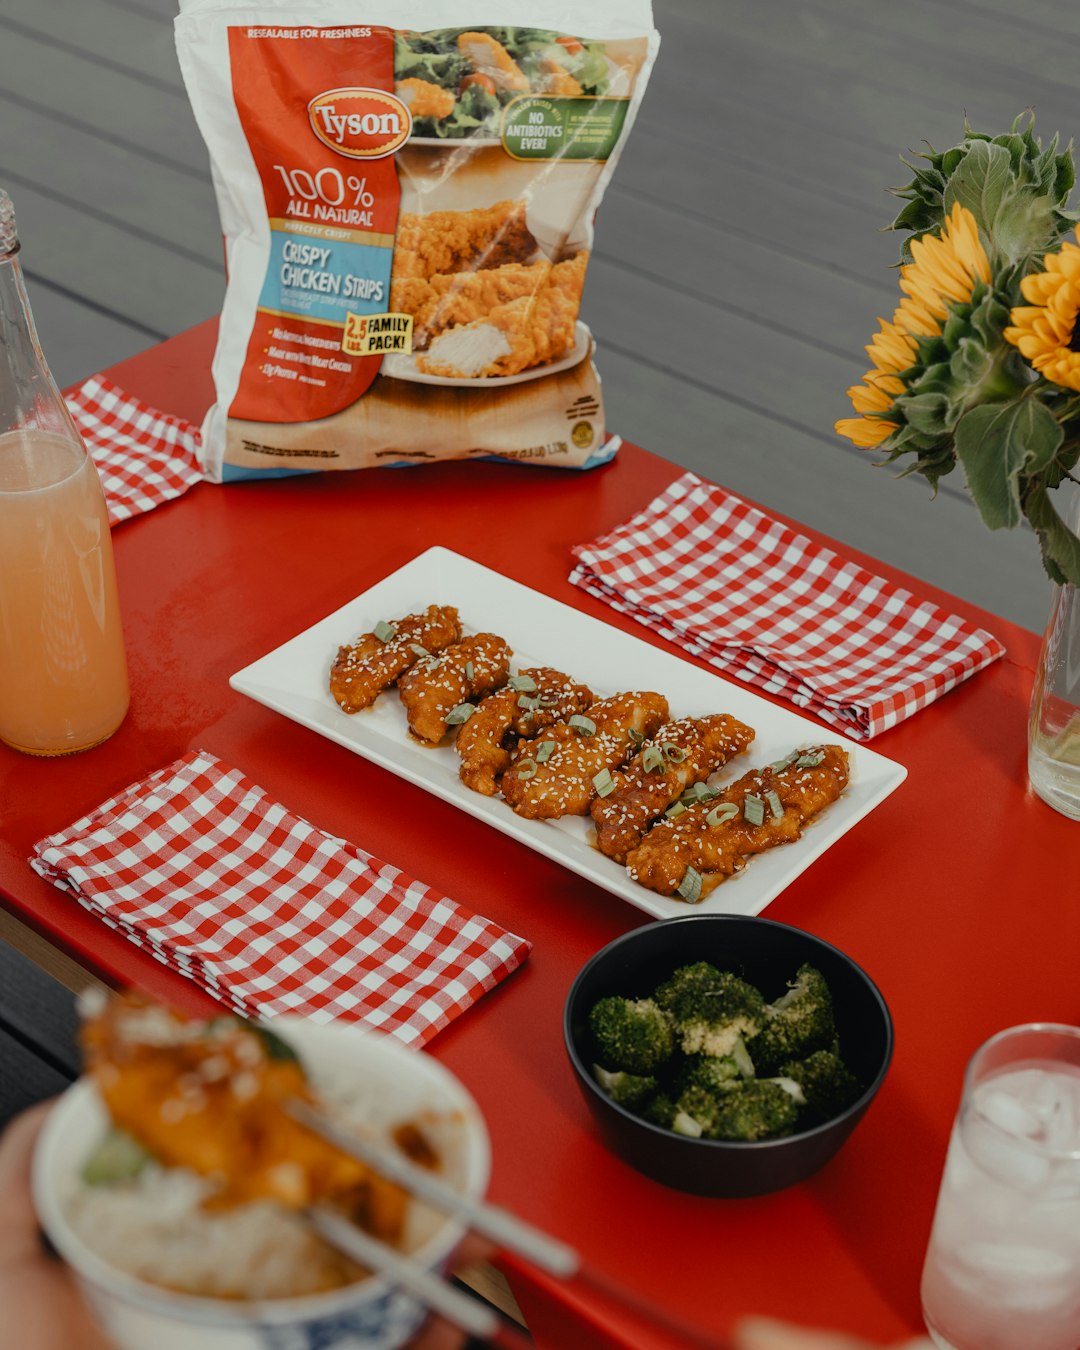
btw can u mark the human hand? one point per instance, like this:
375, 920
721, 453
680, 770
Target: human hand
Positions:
763, 1333
43, 1308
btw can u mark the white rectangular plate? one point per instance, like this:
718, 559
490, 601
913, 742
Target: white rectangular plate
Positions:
293, 679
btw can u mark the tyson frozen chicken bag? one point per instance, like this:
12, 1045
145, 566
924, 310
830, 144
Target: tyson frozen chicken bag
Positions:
407, 194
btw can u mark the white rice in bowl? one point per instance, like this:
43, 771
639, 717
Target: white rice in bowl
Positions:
158, 1227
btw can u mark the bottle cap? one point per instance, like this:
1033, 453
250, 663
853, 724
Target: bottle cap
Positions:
9, 236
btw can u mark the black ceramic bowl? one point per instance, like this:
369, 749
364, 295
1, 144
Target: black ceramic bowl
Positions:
767, 954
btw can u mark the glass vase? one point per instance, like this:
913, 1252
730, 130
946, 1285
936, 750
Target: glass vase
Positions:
1054, 725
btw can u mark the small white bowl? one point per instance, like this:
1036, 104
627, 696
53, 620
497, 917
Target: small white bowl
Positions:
401, 1084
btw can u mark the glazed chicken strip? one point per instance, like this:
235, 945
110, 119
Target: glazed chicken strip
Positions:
377, 660
696, 850
463, 672
553, 774
488, 741
212, 1097
682, 754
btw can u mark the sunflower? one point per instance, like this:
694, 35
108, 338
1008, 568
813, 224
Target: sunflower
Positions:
1046, 329
944, 271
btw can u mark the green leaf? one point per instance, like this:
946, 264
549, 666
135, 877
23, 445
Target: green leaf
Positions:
917, 215
1025, 226
1060, 547
927, 413
996, 442
989, 318
970, 362
982, 183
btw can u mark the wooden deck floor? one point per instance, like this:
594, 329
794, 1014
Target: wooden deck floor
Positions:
739, 265
738, 270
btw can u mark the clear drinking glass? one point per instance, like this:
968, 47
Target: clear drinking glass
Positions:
63, 675
1002, 1270
1054, 728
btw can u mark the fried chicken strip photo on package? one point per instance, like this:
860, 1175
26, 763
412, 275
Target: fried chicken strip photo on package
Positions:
533, 330
681, 755
461, 241
436, 685
702, 846
378, 659
535, 698
555, 774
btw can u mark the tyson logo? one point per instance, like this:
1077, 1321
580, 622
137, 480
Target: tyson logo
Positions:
360, 123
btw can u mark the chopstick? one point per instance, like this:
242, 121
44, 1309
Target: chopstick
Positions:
465, 1312
499, 1225
470, 1314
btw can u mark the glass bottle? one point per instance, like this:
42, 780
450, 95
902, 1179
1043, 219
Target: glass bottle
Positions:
1054, 727
63, 676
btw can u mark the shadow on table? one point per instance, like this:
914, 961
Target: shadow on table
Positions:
861, 1191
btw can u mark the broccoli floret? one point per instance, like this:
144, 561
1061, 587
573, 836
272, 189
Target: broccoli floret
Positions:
828, 1085
748, 1110
716, 1075
659, 1110
798, 1023
631, 1034
628, 1089
711, 1009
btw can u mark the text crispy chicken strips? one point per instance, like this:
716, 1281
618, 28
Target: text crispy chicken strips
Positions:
213, 1097
436, 685
696, 850
536, 698
683, 753
554, 774
378, 659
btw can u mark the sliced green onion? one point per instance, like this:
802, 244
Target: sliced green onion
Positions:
525, 769
810, 760
470, 671
699, 792
725, 811
384, 631
675, 754
675, 809
753, 809
524, 684
543, 751
652, 758
529, 702
775, 805
783, 763
584, 726
638, 737
460, 714
690, 886
417, 650
604, 783
549, 700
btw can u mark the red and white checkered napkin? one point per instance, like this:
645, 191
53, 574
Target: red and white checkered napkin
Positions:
751, 596
270, 915
143, 457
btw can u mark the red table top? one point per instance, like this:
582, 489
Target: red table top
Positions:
954, 894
